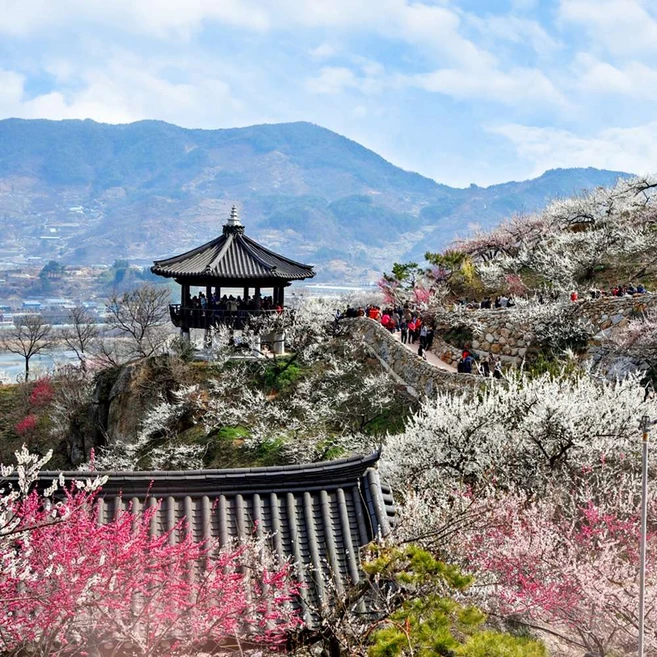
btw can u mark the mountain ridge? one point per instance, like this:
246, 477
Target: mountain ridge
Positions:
83, 191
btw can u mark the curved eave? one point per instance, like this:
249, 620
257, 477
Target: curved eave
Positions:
169, 273
232, 257
183, 482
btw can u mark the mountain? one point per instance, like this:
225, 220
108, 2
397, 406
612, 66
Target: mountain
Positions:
85, 192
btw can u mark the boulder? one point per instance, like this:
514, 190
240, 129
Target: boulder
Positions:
124, 395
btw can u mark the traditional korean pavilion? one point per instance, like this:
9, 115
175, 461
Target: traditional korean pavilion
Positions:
319, 514
230, 262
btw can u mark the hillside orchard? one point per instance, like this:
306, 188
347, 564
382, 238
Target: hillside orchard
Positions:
517, 500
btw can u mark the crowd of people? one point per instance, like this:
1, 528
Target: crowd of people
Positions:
470, 363
507, 301
233, 304
500, 301
415, 330
628, 290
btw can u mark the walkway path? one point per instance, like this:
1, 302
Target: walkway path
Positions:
431, 357
423, 378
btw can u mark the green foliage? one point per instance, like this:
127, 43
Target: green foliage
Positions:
451, 260
429, 622
120, 263
457, 271
495, 644
183, 349
52, 269
541, 363
281, 375
404, 273
9, 399
392, 419
226, 448
15, 406
459, 336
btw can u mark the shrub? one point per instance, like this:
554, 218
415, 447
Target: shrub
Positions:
42, 393
27, 426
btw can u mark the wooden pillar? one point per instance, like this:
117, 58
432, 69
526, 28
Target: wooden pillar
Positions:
279, 296
246, 293
184, 305
208, 292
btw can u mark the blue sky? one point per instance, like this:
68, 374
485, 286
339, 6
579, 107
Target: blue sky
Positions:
462, 91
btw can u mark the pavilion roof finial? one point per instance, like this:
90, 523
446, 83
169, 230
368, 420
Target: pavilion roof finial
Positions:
234, 219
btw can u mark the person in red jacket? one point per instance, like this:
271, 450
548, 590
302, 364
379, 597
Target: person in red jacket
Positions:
411, 330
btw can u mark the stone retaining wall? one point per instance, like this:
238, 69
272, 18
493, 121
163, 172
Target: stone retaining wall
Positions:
422, 378
615, 312
502, 333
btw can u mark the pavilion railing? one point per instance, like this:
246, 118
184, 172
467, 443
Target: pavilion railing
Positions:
205, 318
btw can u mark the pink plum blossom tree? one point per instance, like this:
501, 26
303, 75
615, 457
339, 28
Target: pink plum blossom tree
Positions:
73, 586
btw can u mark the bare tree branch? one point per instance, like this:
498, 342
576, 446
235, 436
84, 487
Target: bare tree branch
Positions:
30, 335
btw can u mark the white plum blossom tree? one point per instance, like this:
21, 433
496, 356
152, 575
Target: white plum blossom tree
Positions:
316, 401
565, 244
523, 433
157, 446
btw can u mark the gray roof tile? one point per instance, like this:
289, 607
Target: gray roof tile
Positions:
233, 255
318, 514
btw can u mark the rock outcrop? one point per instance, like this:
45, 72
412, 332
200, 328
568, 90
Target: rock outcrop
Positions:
123, 395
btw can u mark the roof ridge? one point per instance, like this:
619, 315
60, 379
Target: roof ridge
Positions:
251, 250
192, 252
222, 252
296, 468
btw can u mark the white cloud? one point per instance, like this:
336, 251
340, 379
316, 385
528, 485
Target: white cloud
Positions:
429, 26
324, 50
519, 85
515, 29
621, 149
623, 27
332, 80
126, 89
635, 80
338, 79
434, 30
160, 18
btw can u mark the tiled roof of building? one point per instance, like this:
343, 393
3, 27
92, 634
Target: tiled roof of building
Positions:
233, 255
318, 514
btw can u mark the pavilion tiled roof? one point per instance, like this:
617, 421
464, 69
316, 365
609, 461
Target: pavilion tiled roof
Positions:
233, 255
318, 514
